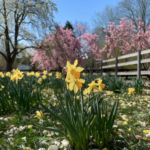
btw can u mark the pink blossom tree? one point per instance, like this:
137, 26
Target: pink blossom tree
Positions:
130, 41
61, 47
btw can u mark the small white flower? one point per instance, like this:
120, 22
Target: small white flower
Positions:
5, 119
10, 140
24, 138
115, 126
50, 133
56, 142
61, 146
56, 133
147, 135
142, 123
44, 142
121, 130
45, 131
65, 143
22, 146
21, 128
119, 122
41, 121
53, 147
1, 118
13, 130
41, 149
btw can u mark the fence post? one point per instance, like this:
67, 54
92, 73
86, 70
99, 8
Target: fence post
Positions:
116, 67
139, 65
86, 69
92, 66
101, 67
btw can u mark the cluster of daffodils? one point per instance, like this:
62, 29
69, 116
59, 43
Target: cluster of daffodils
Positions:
15, 76
74, 82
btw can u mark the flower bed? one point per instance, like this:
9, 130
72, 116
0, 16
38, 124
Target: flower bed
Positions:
30, 125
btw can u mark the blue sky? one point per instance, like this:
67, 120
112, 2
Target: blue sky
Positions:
79, 10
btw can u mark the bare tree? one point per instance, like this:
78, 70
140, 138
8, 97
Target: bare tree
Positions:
23, 55
132, 9
103, 18
13, 14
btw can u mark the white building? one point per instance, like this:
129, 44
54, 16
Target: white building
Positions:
24, 67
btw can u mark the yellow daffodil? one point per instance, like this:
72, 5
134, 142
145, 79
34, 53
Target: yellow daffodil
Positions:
39, 80
84, 74
74, 84
93, 86
28, 74
101, 86
146, 131
2, 86
15, 71
129, 129
73, 71
44, 77
109, 92
39, 115
125, 122
78, 97
26, 148
37, 74
45, 72
35, 90
58, 75
14, 78
19, 75
30, 126
1, 74
86, 91
50, 74
8, 74
131, 91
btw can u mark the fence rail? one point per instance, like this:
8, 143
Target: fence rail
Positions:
138, 62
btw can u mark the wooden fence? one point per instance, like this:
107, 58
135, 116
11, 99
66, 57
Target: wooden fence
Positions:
138, 62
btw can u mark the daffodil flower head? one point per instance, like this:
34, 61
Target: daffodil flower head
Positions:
93, 86
58, 75
146, 131
45, 72
75, 84
131, 91
39, 115
73, 71
100, 83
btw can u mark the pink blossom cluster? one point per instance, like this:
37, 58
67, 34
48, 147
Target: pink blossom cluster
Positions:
63, 49
131, 41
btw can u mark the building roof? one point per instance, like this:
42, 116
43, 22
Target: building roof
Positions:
24, 67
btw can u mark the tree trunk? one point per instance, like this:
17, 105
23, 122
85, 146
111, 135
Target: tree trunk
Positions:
9, 66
